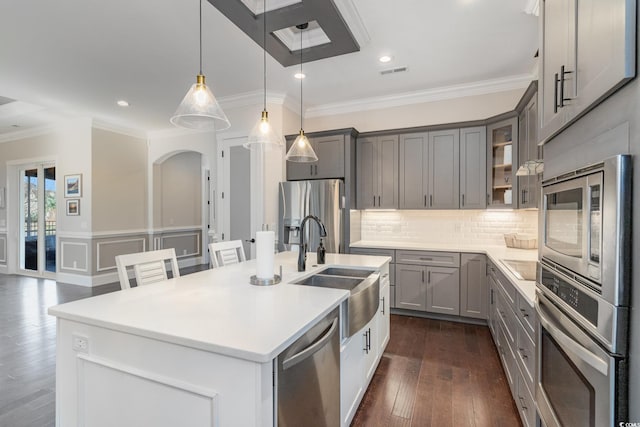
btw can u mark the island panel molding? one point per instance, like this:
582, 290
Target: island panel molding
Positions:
144, 388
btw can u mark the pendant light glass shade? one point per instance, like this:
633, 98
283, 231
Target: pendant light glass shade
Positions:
264, 135
199, 109
301, 150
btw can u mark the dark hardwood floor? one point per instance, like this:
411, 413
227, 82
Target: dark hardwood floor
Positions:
433, 373
440, 374
28, 344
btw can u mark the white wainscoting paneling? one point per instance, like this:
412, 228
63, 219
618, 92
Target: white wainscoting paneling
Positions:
166, 243
122, 246
77, 264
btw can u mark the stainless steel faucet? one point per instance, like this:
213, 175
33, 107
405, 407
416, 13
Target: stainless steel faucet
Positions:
302, 255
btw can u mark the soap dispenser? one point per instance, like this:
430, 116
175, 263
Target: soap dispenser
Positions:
321, 253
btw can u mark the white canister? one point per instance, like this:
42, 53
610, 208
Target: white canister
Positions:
508, 198
508, 150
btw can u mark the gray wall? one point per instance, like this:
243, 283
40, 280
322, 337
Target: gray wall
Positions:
119, 182
611, 128
177, 190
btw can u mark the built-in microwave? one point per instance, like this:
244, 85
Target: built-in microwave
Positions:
585, 226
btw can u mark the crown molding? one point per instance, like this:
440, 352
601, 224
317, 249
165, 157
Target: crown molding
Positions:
28, 133
354, 21
409, 98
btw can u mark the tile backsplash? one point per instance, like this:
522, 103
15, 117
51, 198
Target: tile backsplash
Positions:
455, 226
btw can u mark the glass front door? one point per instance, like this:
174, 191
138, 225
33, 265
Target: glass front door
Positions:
38, 219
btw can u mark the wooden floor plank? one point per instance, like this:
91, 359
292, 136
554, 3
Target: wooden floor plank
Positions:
441, 374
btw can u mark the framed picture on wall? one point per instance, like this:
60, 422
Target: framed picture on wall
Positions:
73, 207
73, 185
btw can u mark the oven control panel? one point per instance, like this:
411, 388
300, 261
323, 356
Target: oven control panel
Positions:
578, 300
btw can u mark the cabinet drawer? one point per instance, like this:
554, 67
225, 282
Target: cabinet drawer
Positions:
375, 252
526, 355
504, 284
438, 259
526, 314
507, 319
525, 403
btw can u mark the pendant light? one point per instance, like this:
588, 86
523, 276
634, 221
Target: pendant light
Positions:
199, 109
301, 150
263, 135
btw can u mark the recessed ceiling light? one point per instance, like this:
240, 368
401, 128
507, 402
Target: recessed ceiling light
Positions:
384, 59
299, 76
122, 103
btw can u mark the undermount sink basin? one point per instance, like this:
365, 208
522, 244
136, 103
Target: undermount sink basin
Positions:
364, 286
348, 272
326, 281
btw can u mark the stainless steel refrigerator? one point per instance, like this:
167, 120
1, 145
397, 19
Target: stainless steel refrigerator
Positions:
322, 198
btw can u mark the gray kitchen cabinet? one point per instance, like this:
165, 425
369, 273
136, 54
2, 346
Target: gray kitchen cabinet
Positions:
411, 290
430, 170
330, 164
473, 286
428, 281
377, 172
473, 172
444, 169
588, 52
414, 153
443, 290
528, 151
502, 152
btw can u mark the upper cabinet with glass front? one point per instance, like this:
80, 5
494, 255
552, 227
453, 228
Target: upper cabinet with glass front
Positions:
588, 51
502, 143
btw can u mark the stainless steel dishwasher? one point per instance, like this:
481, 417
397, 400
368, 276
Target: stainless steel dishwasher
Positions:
308, 377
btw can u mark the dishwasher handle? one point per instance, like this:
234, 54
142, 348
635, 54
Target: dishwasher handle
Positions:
312, 349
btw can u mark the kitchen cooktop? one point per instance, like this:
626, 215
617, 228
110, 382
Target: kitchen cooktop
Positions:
523, 270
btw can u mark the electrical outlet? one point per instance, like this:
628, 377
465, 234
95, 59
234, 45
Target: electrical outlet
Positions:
80, 343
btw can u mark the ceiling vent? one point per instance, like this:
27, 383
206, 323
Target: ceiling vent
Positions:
394, 70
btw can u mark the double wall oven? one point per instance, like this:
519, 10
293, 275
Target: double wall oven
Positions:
583, 296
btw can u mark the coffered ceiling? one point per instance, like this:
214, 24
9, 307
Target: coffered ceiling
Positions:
67, 58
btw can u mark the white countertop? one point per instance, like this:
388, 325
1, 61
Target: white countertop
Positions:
527, 288
218, 310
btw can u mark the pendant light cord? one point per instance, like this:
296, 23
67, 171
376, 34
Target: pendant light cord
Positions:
301, 78
200, 36
264, 52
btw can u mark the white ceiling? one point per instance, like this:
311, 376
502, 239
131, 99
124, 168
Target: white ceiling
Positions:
78, 57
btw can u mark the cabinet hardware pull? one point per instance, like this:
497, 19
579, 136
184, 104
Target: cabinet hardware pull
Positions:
422, 276
429, 277
522, 197
382, 299
524, 312
488, 199
374, 201
368, 340
310, 169
555, 93
491, 296
379, 201
316, 166
366, 349
425, 200
430, 200
563, 73
463, 200
426, 259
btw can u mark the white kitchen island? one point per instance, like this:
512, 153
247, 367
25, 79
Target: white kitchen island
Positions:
196, 350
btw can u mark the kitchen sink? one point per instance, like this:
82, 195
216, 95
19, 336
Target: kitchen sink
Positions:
326, 281
364, 286
348, 272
